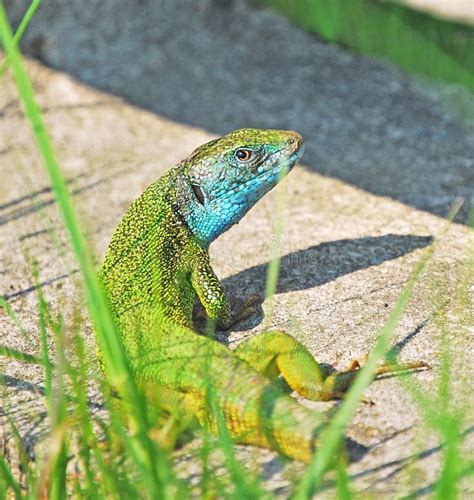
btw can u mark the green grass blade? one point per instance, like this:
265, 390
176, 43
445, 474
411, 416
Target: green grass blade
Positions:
43, 310
8, 478
155, 469
448, 483
11, 313
23, 457
21, 356
244, 487
96, 299
343, 491
21, 29
331, 438
54, 477
88, 442
273, 270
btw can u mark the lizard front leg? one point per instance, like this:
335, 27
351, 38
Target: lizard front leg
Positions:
213, 298
211, 293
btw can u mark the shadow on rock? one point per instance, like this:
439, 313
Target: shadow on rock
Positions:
363, 120
320, 264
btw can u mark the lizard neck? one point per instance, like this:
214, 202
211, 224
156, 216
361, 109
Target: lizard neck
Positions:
206, 223
204, 226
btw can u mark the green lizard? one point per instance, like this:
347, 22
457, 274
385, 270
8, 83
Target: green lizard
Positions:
158, 262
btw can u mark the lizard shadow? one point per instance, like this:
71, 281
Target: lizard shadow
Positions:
320, 264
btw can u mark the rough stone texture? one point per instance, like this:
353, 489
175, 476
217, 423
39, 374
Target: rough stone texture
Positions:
347, 252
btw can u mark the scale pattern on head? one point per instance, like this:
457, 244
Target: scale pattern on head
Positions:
224, 178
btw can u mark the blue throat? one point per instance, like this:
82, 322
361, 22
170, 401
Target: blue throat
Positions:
209, 220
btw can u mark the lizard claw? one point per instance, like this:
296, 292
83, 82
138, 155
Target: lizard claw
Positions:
354, 365
200, 314
395, 368
246, 309
387, 368
243, 310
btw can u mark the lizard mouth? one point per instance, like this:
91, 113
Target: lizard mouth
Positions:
275, 165
274, 168
296, 156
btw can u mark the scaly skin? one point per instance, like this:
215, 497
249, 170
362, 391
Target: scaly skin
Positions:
158, 262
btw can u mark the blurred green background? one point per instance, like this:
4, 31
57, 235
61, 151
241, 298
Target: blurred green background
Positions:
415, 40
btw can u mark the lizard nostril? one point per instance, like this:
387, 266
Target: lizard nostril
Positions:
295, 141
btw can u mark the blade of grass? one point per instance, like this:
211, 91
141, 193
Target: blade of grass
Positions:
443, 413
52, 475
273, 270
88, 442
21, 29
96, 300
43, 310
449, 417
6, 306
206, 484
21, 356
343, 491
331, 437
7, 475
23, 458
55, 482
155, 468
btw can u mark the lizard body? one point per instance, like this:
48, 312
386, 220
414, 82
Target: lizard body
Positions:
158, 262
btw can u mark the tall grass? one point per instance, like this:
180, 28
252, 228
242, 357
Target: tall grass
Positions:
21, 29
141, 447
112, 462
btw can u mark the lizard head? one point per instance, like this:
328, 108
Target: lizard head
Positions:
224, 178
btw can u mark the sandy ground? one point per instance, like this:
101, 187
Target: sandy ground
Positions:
386, 156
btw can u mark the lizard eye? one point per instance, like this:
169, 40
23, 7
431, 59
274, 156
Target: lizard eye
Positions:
198, 192
244, 154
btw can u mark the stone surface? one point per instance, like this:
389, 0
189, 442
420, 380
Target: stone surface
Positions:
347, 251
